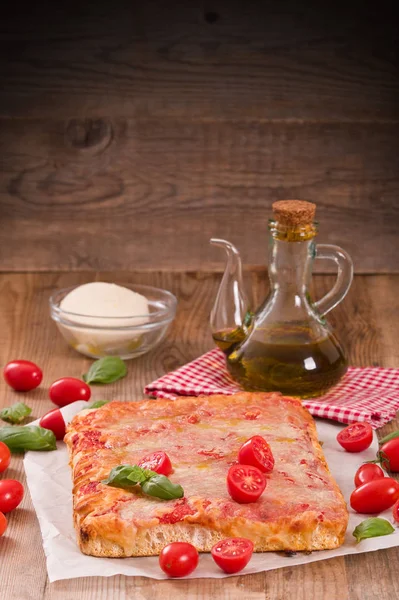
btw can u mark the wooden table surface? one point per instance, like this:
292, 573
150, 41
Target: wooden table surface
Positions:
366, 322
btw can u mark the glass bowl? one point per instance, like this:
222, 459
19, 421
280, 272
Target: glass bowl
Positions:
125, 336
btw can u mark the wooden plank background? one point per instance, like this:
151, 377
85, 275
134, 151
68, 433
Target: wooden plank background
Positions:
132, 132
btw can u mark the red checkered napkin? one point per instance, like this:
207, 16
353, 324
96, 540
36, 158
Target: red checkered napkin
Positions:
365, 394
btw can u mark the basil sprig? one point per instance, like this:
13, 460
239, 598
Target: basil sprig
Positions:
29, 437
125, 476
106, 370
372, 527
98, 403
152, 484
15, 413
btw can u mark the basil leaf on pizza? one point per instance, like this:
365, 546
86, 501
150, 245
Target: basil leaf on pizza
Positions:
126, 476
152, 484
161, 487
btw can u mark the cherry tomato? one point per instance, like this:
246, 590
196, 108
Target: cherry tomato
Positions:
22, 375
356, 438
5, 457
11, 494
54, 421
67, 390
375, 496
178, 559
390, 455
245, 483
158, 462
257, 452
232, 554
3, 524
368, 472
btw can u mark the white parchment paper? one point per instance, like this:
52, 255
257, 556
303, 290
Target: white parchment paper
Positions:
49, 481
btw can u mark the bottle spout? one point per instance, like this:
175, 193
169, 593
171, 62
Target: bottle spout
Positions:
228, 246
231, 307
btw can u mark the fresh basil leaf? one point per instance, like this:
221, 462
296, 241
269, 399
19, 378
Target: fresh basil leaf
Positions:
16, 413
161, 487
106, 370
126, 476
98, 403
373, 527
30, 437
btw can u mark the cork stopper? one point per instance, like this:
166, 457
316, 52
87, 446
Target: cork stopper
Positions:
294, 213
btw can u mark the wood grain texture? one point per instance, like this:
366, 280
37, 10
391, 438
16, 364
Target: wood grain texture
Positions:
261, 60
364, 322
149, 194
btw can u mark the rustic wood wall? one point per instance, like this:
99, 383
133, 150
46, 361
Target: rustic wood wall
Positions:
132, 132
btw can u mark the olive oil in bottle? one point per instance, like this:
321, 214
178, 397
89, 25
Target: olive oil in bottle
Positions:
293, 364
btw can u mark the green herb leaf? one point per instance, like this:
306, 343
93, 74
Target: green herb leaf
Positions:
106, 370
126, 476
387, 438
30, 437
153, 484
98, 403
16, 413
161, 487
373, 527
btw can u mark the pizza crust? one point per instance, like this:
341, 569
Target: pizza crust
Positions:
111, 534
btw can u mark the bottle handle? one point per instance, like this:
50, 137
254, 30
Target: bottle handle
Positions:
344, 277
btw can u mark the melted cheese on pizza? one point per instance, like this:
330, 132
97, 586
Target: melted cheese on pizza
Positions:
202, 437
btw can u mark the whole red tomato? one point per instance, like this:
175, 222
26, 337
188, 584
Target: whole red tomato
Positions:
232, 554
356, 437
178, 559
3, 524
22, 375
245, 483
390, 455
67, 390
375, 496
368, 472
54, 421
395, 511
11, 494
256, 452
5, 457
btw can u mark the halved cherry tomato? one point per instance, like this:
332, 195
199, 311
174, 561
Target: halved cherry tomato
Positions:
3, 524
390, 455
54, 421
11, 494
375, 496
356, 438
232, 554
5, 457
368, 472
158, 462
245, 483
256, 452
22, 375
67, 390
178, 559
395, 511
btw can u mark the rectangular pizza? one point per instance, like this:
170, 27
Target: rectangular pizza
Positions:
301, 508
